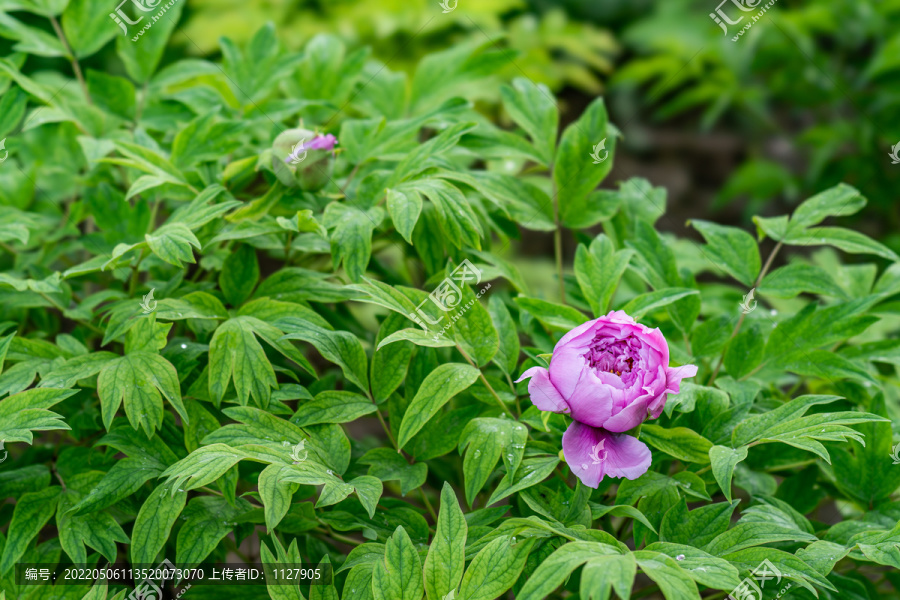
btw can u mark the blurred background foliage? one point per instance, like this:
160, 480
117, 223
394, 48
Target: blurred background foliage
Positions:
807, 98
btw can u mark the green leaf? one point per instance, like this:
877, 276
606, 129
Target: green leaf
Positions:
705, 569
234, 352
531, 472
141, 52
679, 442
446, 558
533, 108
732, 249
399, 577
24, 412
340, 347
551, 314
697, 527
747, 535
351, 236
368, 490
840, 201
755, 427
790, 566
436, 390
207, 519
275, 494
154, 523
495, 568
745, 351
172, 243
417, 337
239, 275
404, 208
32, 511
723, 461
387, 465
473, 330
98, 530
847, 240
794, 279
389, 365
673, 582
507, 357
554, 570
123, 479
598, 510
574, 173
141, 380
599, 270
864, 474
644, 304
87, 29
201, 467
485, 441
333, 407
826, 365
599, 575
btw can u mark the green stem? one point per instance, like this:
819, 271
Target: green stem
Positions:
486, 383
740, 322
75, 66
135, 274
428, 505
557, 244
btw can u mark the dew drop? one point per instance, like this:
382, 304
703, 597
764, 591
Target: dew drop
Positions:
679, 557
584, 467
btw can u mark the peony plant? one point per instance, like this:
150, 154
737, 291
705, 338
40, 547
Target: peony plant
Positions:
609, 375
212, 351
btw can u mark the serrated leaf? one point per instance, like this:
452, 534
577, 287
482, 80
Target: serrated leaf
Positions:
140, 380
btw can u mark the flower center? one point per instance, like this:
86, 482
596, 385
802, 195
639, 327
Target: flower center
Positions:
617, 356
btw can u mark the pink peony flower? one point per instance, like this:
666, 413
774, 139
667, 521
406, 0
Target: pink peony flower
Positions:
609, 375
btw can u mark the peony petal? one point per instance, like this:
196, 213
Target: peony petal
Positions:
629, 417
592, 402
566, 367
674, 377
543, 394
579, 336
593, 453
619, 316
